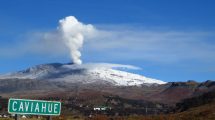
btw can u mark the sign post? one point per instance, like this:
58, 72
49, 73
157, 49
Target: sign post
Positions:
16, 117
33, 107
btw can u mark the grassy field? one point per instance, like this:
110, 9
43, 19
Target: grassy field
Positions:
205, 112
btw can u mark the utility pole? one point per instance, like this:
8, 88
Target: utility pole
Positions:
146, 111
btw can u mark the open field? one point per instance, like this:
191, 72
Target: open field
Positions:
205, 112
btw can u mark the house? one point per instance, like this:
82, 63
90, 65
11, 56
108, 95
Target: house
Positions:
101, 108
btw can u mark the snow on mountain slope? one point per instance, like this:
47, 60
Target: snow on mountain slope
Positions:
123, 78
98, 73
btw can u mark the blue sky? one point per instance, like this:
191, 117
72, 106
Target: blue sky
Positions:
170, 40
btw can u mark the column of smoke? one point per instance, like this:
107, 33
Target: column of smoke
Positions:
73, 34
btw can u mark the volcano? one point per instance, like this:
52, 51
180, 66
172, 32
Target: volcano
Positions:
98, 73
95, 80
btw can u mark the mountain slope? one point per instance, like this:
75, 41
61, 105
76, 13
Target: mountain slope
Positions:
84, 74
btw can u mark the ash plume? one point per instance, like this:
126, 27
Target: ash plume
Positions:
73, 34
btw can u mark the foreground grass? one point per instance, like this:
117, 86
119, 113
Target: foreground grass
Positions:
205, 112
22, 119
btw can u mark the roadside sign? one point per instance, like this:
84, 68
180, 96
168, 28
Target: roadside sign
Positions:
33, 107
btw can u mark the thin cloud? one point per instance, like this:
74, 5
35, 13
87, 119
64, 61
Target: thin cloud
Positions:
157, 46
122, 43
103, 65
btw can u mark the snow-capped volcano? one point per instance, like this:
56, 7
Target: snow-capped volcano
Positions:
99, 73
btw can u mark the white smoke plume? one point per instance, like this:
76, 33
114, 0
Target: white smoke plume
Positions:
73, 34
